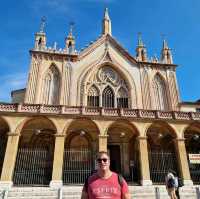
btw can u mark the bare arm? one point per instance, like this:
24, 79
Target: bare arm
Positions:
126, 196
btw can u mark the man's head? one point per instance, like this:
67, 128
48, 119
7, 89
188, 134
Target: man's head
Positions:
103, 161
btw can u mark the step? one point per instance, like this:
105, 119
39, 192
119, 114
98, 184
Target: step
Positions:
74, 192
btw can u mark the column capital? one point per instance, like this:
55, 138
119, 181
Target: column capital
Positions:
142, 137
180, 139
12, 134
103, 136
59, 135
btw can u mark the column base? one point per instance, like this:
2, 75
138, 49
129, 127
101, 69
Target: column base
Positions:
146, 182
187, 182
6, 184
56, 184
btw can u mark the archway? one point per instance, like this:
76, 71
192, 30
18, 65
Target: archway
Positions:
162, 153
123, 149
192, 144
80, 149
3, 141
34, 160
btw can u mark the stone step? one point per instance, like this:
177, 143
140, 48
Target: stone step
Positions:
32, 193
74, 192
188, 192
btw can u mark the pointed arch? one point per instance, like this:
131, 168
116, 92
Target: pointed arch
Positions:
108, 97
51, 86
93, 96
160, 93
146, 90
122, 98
87, 73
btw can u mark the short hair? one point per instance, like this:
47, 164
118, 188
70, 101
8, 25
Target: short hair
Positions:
101, 153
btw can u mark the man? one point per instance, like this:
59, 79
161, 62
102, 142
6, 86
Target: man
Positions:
105, 183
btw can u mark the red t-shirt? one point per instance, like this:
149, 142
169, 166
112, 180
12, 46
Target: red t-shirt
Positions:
109, 188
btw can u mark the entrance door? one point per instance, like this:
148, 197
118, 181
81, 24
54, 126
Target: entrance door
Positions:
115, 158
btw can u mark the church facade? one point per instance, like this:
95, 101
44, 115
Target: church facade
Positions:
99, 99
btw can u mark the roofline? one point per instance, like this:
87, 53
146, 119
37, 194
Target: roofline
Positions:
158, 63
189, 103
18, 90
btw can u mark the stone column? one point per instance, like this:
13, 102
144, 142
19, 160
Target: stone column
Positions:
144, 161
9, 160
103, 142
182, 161
58, 161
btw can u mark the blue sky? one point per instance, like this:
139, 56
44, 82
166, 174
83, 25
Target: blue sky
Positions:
179, 20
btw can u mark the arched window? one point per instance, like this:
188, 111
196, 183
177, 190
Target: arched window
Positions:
122, 98
93, 97
51, 86
108, 98
160, 94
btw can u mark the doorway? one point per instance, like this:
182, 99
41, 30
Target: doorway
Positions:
115, 158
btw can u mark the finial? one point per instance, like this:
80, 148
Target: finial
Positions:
165, 45
106, 15
55, 45
106, 28
140, 42
42, 24
71, 24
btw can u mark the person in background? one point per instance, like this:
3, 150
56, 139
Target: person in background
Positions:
105, 183
171, 185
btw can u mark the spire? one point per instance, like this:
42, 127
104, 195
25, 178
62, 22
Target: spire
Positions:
70, 40
106, 23
40, 37
106, 15
141, 52
140, 42
42, 24
166, 55
165, 45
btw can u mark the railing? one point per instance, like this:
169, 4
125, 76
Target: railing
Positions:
194, 172
27, 173
78, 165
160, 162
98, 111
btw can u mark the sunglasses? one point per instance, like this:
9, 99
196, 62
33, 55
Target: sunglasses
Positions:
99, 160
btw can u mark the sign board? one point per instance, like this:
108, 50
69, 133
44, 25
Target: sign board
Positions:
194, 158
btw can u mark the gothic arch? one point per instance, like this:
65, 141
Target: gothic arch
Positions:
161, 100
146, 90
91, 70
108, 97
122, 98
50, 86
93, 96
